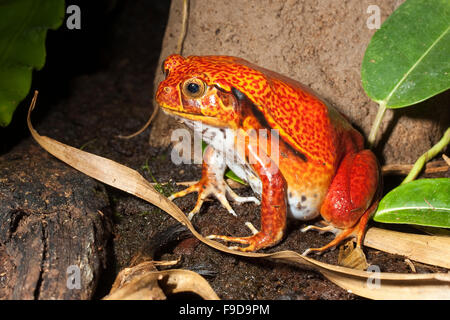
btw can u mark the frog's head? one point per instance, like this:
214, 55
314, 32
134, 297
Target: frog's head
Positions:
200, 89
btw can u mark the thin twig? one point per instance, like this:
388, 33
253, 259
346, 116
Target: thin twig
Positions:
184, 20
155, 111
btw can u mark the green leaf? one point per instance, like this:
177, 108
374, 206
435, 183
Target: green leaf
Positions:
407, 60
424, 202
230, 174
23, 28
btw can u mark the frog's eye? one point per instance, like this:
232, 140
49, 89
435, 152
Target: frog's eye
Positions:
194, 88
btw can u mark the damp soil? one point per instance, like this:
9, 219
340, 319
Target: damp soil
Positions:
97, 84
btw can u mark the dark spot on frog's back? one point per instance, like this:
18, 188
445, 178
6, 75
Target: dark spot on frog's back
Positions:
297, 153
239, 95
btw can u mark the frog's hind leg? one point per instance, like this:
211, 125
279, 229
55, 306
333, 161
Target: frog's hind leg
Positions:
212, 183
352, 198
356, 231
341, 234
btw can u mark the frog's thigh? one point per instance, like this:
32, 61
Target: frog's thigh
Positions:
352, 189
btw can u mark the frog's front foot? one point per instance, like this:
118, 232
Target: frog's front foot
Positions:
273, 215
213, 183
217, 188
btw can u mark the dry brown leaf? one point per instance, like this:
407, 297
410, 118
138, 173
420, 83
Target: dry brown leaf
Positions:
142, 281
124, 287
428, 249
393, 285
352, 257
446, 159
154, 285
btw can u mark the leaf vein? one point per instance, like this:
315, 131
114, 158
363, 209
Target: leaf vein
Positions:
386, 100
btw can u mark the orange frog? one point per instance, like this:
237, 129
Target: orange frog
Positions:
313, 161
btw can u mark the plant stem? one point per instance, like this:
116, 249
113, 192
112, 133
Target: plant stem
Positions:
438, 147
376, 124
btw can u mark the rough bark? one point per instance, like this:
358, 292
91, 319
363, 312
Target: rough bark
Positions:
50, 219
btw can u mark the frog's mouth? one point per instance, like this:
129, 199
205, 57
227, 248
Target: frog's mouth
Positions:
212, 121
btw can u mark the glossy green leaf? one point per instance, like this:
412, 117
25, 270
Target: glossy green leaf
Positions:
423, 202
408, 58
23, 28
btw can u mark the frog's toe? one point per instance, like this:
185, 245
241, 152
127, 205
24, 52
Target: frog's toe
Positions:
236, 198
196, 209
317, 251
341, 234
205, 190
321, 230
251, 227
255, 242
194, 188
241, 240
223, 200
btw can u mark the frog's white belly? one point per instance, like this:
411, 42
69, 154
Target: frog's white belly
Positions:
222, 140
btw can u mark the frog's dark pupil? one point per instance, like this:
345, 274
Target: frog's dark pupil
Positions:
193, 87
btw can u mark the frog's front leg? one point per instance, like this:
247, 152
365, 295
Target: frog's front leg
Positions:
273, 210
213, 183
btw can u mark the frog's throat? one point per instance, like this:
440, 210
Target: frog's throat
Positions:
212, 121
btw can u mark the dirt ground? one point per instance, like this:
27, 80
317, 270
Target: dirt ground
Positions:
99, 83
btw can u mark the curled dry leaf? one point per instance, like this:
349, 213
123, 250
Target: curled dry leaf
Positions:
352, 257
142, 281
156, 285
388, 285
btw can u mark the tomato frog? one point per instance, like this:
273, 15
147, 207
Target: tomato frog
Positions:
320, 166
